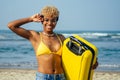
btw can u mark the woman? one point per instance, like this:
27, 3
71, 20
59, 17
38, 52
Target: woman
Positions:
47, 44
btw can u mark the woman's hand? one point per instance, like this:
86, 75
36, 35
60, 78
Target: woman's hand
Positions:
37, 18
95, 65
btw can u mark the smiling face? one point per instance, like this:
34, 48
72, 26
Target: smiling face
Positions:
51, 15
49, 23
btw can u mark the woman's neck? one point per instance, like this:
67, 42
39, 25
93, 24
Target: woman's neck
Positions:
49, 34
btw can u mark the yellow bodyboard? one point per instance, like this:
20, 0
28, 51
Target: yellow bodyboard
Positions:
78, 56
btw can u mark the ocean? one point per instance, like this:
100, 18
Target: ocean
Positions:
17, 52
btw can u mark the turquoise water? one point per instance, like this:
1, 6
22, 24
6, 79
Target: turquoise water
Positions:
16, 52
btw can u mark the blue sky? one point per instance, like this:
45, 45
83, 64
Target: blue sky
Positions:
100, 15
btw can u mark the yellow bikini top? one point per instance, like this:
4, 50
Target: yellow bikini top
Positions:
43, 49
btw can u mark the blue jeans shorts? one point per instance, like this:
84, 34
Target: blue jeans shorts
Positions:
41, 76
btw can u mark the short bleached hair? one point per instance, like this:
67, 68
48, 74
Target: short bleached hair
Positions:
51, 11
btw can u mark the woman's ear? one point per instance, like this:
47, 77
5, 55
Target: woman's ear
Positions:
57, 18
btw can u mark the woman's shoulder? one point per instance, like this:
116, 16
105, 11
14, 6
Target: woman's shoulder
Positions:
62, 37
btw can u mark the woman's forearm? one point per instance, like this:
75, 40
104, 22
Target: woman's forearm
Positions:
19, 22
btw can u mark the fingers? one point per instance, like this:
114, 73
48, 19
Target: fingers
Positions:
40, 17
38, 14
95, 65
37, 18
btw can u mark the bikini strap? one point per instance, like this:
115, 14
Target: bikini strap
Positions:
59, 39
40, 35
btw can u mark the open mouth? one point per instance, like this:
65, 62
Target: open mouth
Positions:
49, 27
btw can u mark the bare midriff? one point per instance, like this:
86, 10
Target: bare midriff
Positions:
50, 64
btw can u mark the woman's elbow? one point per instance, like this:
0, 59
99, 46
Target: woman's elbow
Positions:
9, 25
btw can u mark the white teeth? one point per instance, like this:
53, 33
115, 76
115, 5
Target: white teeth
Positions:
48, 26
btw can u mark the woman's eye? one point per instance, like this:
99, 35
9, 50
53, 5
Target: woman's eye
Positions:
46, 20
52, 20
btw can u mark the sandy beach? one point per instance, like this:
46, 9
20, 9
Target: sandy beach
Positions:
23, 74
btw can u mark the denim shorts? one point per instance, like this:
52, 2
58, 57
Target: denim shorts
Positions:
41, 76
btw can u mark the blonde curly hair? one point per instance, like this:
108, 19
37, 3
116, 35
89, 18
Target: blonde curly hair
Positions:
51, 11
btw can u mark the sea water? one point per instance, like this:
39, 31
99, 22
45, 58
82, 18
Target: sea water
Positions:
17, 52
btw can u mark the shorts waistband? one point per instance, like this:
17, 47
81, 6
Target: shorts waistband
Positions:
42, 74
